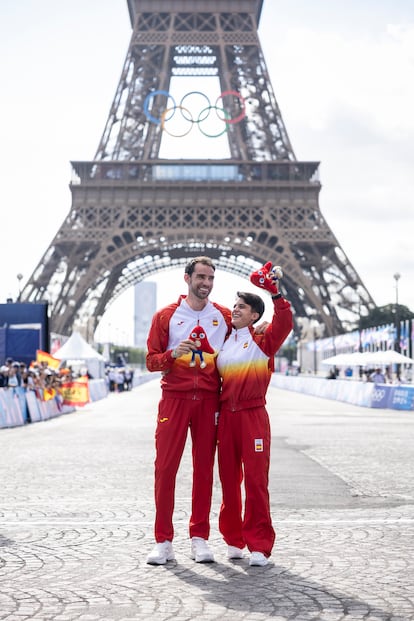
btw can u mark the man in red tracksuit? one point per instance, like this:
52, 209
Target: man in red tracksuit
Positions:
245, 363
183, 342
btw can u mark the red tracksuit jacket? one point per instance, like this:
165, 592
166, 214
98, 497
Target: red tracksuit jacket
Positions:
246, 360
173, 324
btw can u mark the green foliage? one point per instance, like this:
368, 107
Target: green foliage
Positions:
382, 315
289, 351
131, 355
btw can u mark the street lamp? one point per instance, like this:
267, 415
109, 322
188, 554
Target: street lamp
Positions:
19, 278
397, 347
359, 318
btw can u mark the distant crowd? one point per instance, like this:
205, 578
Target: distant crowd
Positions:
36, 376
119, 378
377, 375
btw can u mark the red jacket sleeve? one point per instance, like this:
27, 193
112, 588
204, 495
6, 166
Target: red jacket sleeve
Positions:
158, 358
277, 331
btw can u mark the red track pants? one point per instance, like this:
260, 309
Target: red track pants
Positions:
175, 417
244, 448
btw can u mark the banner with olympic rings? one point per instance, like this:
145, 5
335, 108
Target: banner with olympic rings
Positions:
195, 108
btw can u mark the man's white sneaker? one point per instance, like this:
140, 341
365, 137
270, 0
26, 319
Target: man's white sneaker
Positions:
200, 552
258, 558
161, 553
233, 552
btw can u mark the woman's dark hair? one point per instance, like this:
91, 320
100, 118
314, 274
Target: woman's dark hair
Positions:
254, 301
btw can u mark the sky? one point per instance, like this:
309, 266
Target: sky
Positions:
343, 76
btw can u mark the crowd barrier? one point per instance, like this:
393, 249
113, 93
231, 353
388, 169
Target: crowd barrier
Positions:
98, 389
19, 406
142, 378
365, 394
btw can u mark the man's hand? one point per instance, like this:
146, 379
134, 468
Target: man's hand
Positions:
261, 328
185, 347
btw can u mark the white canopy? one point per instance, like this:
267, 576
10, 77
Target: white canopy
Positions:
346, 360
368, 358
389, 356
77, 349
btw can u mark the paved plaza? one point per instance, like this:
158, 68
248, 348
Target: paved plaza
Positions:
76, 519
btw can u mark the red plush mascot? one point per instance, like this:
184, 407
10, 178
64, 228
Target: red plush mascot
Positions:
266, 277
199, 337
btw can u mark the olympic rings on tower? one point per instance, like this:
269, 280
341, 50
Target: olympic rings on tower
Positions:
242, 114
225, 104
147, 101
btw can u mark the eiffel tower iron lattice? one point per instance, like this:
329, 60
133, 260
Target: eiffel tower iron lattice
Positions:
135, 213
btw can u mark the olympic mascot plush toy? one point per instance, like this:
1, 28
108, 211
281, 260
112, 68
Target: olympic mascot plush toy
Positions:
267, 277
199, 337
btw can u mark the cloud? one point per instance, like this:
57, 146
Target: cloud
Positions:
371, 74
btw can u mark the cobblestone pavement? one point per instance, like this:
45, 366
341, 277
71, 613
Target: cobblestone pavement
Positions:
76, 519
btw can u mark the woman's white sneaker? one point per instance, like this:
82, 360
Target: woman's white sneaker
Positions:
259, 559
233, 552
161, 553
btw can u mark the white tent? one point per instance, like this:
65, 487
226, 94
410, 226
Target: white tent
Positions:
368, 358
346, 360
389, 356
76, 350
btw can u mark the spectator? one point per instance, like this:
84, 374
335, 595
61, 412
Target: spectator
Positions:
377, 377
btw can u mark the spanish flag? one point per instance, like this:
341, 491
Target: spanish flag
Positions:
48, 393
75, 392
43, 356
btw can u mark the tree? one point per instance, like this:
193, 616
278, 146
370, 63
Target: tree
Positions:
382, 315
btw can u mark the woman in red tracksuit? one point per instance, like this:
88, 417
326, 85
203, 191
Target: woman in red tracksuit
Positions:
245, 364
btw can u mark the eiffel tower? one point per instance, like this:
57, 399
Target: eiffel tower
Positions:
135, 213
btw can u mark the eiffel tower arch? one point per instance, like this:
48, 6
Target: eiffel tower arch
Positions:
135, 213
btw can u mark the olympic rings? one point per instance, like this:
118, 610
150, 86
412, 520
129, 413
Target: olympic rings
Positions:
164, 114
151, 96
195, 93
222, 112
226, 127
242, 114
191, 121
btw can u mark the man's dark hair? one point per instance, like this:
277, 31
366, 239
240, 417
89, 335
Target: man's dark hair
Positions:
254, 301
189, 268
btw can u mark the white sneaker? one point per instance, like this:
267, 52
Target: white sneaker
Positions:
200, 552
233, 552
258, 558
161, 553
